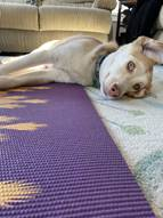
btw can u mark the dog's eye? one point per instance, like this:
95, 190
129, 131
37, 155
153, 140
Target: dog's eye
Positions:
131, 66
137, 86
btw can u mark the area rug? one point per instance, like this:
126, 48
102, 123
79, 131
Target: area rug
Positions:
137, 129
58, 160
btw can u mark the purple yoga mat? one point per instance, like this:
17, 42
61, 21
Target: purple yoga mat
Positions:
73, 162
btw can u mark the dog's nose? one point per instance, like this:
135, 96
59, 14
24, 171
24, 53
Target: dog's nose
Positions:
114, 90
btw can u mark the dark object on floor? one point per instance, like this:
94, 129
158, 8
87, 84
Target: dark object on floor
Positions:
142, 19
123, 19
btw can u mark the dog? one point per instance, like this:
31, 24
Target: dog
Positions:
119, 71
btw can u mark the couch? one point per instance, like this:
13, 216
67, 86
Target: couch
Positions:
26, 24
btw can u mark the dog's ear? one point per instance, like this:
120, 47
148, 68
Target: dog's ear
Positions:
151, 48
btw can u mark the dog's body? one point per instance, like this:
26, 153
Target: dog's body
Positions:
127, 70
70, 61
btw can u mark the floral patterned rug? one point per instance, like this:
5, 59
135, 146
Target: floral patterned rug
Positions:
136, 126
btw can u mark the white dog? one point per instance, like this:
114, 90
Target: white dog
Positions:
85, 60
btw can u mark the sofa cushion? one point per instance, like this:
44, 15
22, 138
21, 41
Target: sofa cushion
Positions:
74, 19
71, 3
160, 19
65, 1
16, 1
105, 4
18, 16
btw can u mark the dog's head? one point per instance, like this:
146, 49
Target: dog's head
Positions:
128, 71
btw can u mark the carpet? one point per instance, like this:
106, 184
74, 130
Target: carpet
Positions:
58, 160
137, 129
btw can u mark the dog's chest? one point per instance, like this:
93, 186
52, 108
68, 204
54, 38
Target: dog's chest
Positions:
79, 67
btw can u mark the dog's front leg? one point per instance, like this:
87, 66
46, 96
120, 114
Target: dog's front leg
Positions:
26, 61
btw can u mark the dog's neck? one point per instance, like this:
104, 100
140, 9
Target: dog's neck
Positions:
96, 80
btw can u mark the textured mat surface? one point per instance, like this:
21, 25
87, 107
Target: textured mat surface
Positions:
57, 159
